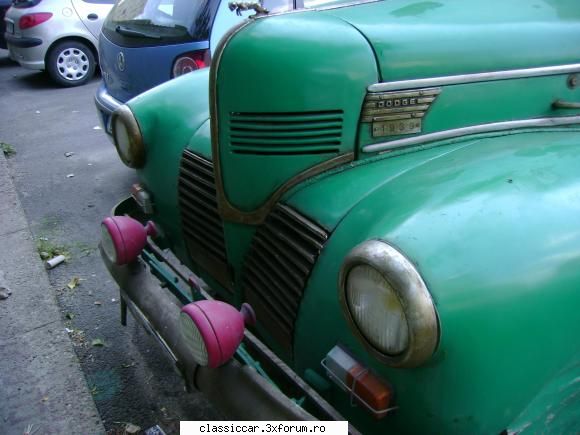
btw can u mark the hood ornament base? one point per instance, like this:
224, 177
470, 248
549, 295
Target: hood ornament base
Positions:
246, 6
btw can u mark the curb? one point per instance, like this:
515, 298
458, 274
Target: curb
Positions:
42, 387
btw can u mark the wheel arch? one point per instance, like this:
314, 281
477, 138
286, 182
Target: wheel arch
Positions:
75, 38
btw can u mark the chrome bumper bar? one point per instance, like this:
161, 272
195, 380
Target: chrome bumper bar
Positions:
105, 101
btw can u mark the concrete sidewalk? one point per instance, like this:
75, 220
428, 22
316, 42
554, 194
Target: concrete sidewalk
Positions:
42, 386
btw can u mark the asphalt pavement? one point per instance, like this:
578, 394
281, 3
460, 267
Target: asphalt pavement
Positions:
67, 177
42, 388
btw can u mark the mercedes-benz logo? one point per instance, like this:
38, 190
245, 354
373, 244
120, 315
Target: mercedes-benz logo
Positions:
121, 61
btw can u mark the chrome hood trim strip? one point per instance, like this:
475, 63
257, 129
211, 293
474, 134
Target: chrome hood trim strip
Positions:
475, 129
474, 78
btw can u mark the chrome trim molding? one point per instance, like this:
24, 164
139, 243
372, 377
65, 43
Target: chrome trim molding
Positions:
136, 157
323, 8
406, 281
397, 113
339, 6
474, 78
106, 101
474, 129
561, 104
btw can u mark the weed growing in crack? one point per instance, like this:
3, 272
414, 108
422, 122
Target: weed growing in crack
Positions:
47, 249
7, 149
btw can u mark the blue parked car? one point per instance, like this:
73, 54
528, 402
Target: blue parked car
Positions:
4, 5
144, 43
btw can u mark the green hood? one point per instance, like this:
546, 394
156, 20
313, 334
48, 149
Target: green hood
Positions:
308, 111
418, 39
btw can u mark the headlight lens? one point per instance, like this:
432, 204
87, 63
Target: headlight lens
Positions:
128, 138
108, 245
388, 305
376, 309
192, 335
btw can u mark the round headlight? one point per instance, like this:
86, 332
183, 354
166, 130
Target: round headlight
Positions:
127, 137
388, 305
123, 238
214, 330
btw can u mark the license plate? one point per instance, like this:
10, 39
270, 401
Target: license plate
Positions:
9, 27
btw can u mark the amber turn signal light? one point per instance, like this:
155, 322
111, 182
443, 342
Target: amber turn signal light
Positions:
364, 387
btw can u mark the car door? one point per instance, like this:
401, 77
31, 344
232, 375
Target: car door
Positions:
92, 13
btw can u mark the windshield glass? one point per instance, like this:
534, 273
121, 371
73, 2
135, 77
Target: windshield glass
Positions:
148, 22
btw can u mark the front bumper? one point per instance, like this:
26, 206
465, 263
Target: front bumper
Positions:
106, 105
225, 385
238, 390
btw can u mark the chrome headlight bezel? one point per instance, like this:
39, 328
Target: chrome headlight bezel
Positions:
419, 308
134, 156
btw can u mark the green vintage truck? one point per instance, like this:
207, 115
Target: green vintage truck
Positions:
367, 211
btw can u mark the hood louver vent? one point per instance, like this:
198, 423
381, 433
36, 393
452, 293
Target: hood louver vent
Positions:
286, 133
201, 222
284, 251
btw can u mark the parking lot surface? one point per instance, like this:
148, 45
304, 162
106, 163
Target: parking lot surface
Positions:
68, 177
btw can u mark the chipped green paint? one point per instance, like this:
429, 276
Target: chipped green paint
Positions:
416, 9
492, 225
362, 45
490, 220
556, 408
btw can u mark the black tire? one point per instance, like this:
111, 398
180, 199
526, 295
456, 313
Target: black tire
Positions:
70, 63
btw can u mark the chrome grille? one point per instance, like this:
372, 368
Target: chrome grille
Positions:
286, 133
201, 222
277, 267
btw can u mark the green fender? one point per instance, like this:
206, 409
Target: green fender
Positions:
493, 226
170, 117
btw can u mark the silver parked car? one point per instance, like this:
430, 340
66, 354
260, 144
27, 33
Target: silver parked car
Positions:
59, 36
